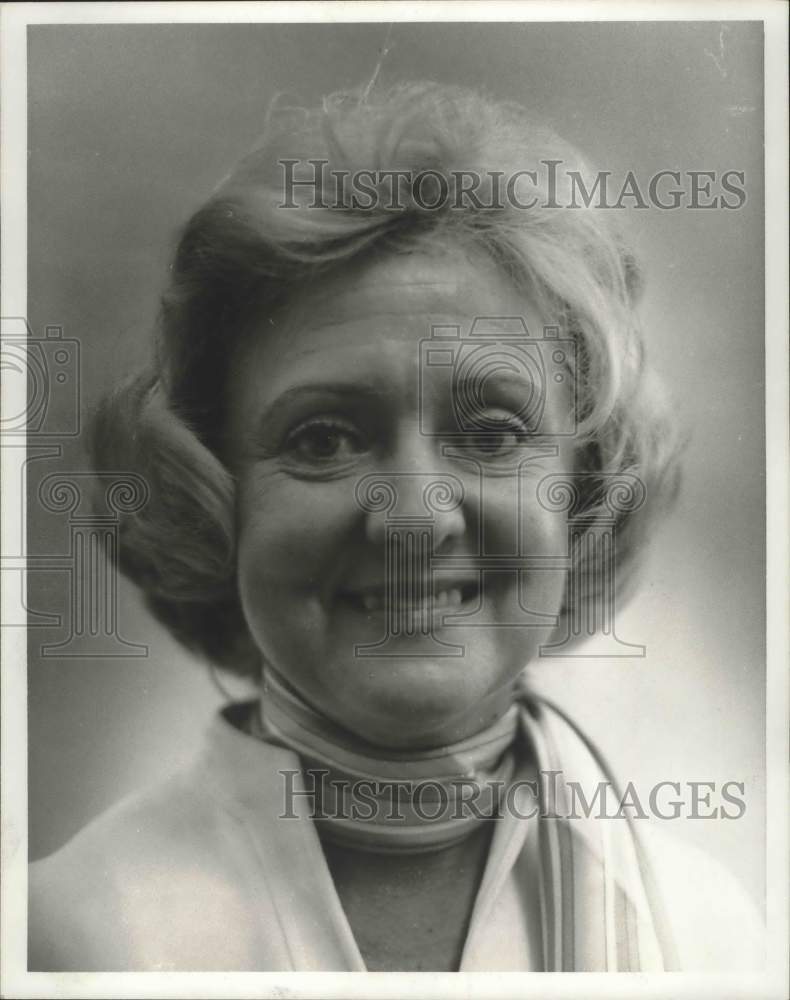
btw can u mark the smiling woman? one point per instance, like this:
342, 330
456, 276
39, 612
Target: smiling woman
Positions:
328, 395
369, 434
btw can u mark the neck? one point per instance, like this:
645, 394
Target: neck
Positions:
485, 713
410, 912
374, 799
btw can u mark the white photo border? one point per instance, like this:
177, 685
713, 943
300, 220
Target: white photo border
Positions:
16, 981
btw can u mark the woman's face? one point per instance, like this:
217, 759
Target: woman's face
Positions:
338, 393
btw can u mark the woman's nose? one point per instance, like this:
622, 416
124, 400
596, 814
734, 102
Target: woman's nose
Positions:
420, 501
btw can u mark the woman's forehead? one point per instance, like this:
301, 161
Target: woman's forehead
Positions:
368, 328
399, 298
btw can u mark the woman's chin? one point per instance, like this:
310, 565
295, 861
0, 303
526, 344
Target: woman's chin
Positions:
413, 701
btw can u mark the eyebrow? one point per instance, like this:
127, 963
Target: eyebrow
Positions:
521, 381
367, 390
292, 396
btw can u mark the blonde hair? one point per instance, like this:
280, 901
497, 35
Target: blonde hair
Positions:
243, 253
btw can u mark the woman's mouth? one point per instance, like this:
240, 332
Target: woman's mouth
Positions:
415, 597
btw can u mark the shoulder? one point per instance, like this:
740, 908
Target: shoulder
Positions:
715, 924
90, 900
168, 878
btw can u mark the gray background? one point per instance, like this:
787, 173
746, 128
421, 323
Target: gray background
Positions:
129, 129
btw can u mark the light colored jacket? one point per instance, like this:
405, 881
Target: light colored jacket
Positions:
200, 874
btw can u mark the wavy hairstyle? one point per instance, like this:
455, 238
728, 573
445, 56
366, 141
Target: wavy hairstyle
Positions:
242, 255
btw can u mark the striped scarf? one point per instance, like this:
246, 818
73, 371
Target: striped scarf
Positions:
599, 908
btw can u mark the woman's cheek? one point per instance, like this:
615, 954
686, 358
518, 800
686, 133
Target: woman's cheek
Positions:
293, 532
514, 522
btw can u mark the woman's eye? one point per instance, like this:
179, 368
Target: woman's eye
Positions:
324, 440
497, 442
500, 435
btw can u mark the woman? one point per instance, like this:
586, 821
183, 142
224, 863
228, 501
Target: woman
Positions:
401, 438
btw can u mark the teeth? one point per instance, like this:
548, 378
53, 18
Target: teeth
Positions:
451, 598
454, 597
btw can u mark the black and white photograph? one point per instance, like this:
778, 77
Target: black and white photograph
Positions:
395, 543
